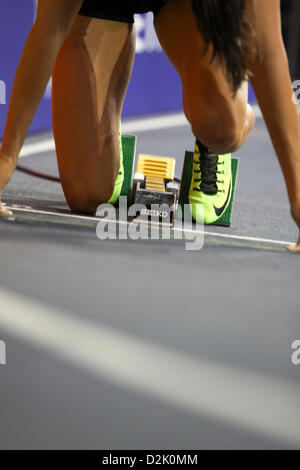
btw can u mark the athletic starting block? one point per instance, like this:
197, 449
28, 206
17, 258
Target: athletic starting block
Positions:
129, 150
154, 187
154, 183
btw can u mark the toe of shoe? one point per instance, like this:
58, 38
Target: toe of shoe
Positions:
203, 212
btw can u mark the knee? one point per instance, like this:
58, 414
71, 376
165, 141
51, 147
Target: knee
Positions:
86, 200
219, 131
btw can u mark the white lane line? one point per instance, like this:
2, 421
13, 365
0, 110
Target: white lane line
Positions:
174, 229
29, 149
249, 239
153, 123
143, 124
128, 126
256, 402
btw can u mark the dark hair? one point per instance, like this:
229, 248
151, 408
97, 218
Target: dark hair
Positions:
222, 25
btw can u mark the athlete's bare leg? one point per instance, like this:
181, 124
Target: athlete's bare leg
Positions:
219, 120
90, 80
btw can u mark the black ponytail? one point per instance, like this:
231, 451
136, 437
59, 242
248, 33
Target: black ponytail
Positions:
222, 25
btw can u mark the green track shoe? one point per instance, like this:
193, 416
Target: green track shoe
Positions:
211, 185
120, 178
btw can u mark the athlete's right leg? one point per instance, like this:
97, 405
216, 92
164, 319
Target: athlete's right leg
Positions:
90, 80
218, 119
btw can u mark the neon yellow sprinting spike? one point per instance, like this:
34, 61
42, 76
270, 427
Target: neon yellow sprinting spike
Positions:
211, 184
120, 178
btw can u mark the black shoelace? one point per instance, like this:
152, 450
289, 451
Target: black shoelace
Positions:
208, 168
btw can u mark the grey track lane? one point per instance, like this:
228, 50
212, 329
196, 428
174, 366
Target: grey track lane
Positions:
236, 305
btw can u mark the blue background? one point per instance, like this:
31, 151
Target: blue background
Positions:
154, 88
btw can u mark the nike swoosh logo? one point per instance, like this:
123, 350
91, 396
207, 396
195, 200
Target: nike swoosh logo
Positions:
219, 211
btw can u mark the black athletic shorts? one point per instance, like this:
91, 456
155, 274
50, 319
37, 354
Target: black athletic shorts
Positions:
119, 11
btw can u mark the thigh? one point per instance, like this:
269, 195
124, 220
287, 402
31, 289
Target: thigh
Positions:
89, 84
207, 94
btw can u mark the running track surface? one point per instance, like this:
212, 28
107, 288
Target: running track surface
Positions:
125, 345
